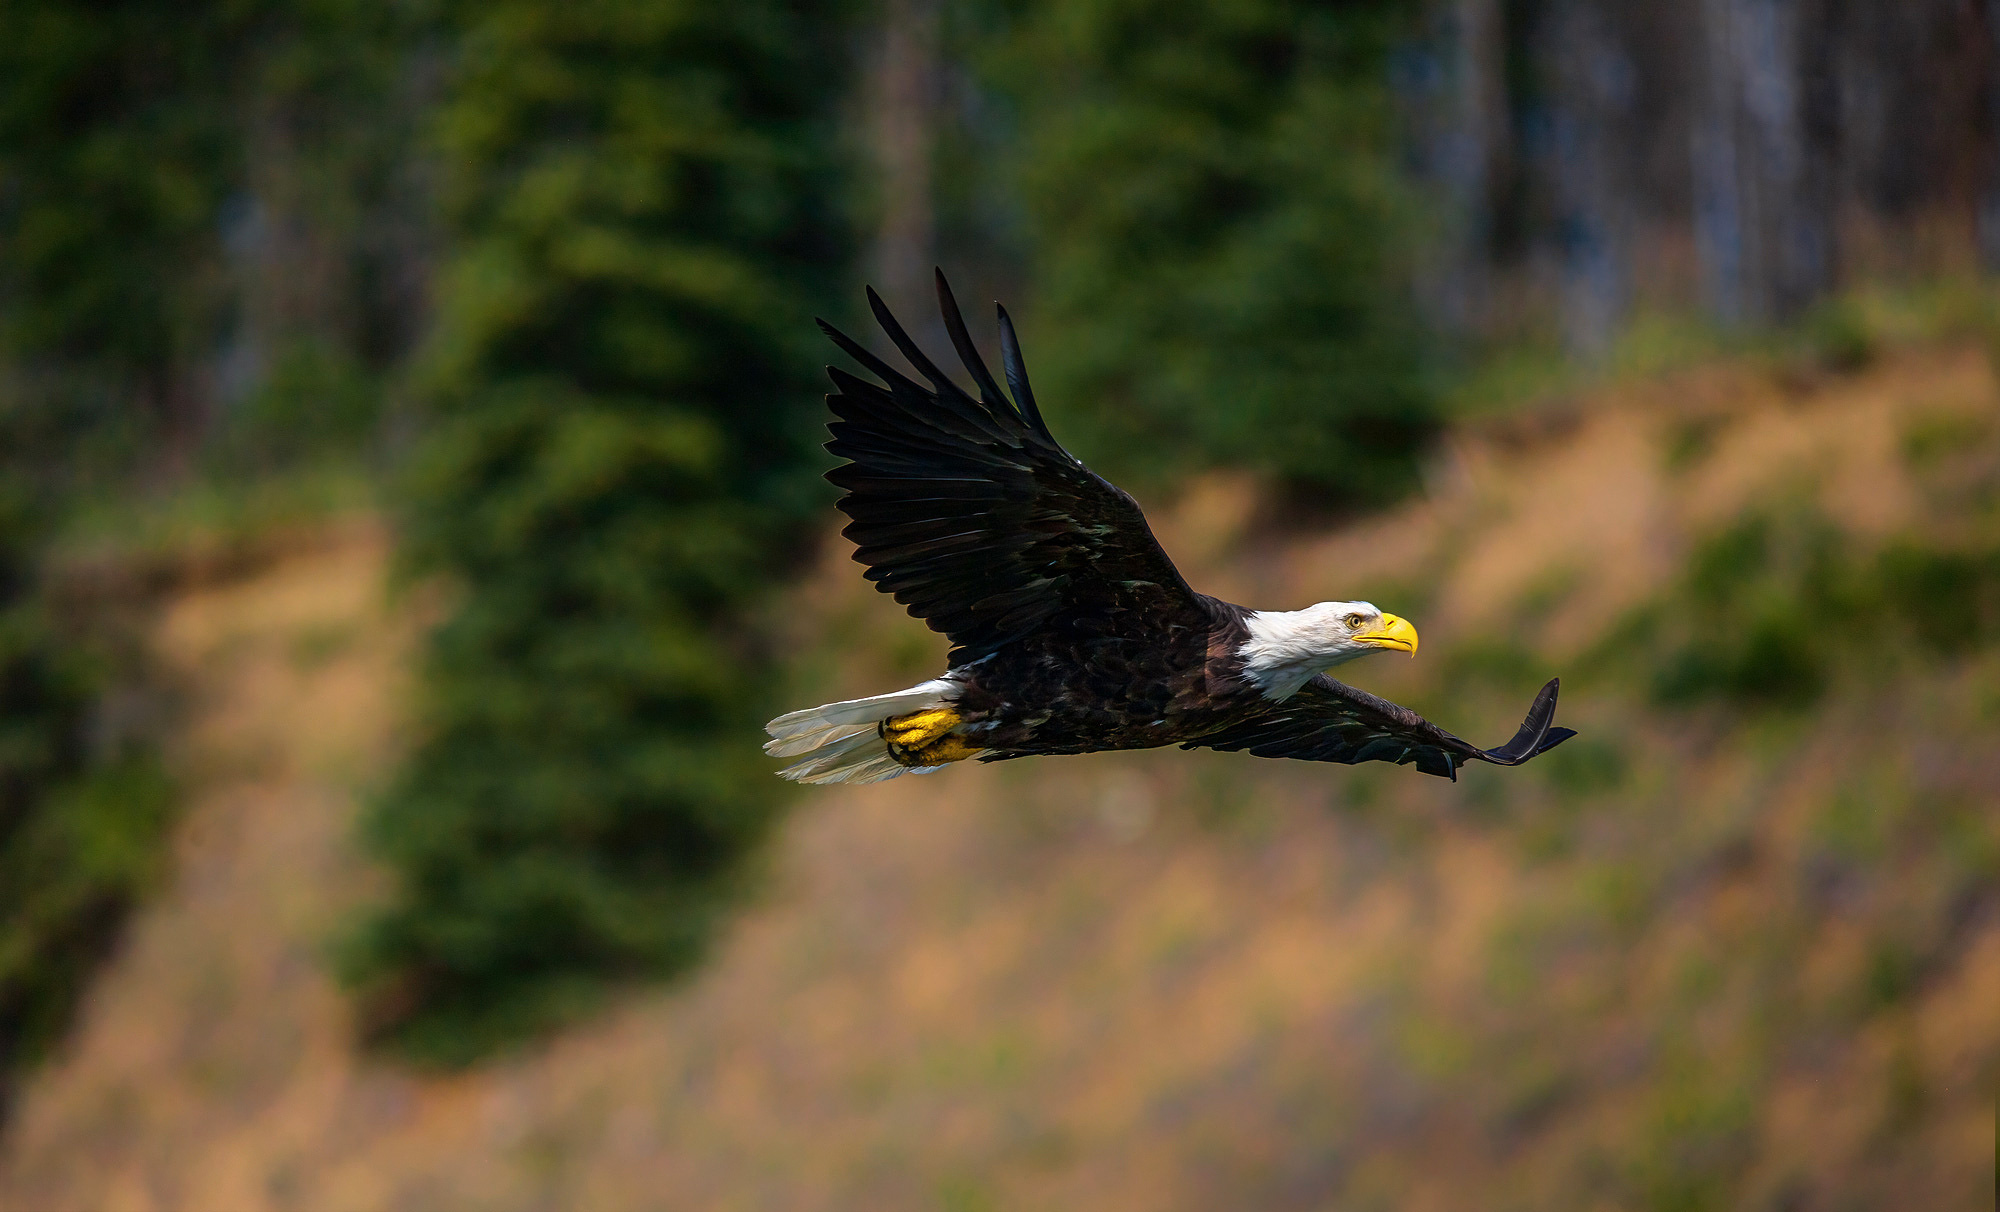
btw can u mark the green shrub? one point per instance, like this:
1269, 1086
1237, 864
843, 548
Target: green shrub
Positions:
79, 844
83, 813
1771, 606
1836, 336
1753, 619
1949, 599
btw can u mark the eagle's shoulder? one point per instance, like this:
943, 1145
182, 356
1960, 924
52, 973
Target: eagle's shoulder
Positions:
1228, 630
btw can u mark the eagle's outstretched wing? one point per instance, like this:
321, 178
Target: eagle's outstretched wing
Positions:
973, 516
1329, 721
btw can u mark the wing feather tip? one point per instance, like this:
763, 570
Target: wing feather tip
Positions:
1556, 736
1532, 737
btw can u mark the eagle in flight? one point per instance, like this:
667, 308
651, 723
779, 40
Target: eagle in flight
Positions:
1071, 631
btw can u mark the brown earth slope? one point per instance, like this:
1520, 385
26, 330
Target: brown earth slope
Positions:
1651, 976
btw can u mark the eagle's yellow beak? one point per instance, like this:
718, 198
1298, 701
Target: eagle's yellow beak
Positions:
1394, 633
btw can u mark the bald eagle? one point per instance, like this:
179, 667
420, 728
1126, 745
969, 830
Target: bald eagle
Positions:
1071, 631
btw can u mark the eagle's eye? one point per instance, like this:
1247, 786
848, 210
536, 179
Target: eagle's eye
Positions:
1354, 622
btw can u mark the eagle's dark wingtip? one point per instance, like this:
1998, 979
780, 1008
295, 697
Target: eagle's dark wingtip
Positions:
1017, 377
853, 349
1555, 737
968, 353
1537, 733
940, 381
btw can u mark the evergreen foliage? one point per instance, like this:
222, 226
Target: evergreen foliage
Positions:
1777, 606
155, 161
194, 197
1218, 228
623, 402
82, 829
115, 158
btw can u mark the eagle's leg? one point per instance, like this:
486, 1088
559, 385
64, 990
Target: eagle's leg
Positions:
925, 738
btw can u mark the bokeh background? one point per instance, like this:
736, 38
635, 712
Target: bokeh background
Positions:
410, 511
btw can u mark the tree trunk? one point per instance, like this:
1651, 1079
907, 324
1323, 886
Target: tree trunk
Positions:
1763, 222
1592, 85
903, 97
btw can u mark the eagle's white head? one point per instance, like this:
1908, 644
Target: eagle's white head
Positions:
1287, 647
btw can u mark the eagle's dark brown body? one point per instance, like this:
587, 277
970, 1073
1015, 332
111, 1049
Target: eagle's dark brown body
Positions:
1064, 690
1071, 630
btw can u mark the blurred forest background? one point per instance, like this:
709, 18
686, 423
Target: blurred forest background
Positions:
1644, 342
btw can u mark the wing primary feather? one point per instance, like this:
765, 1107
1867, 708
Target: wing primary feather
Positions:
1534, 729
925, 367
1017, 377
969, 513
968, 353
911, 409
854, 349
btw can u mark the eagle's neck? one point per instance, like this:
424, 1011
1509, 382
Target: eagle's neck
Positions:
1286, 648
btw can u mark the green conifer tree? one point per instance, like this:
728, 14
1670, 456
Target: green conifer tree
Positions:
115, 157
622, 386
1219, 226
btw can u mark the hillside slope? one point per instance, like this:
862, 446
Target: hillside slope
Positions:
1735, 949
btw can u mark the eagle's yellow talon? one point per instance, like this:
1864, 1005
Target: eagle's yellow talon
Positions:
919, 728
924, 738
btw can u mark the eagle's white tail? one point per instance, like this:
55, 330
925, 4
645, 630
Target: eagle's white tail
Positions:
841, 741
